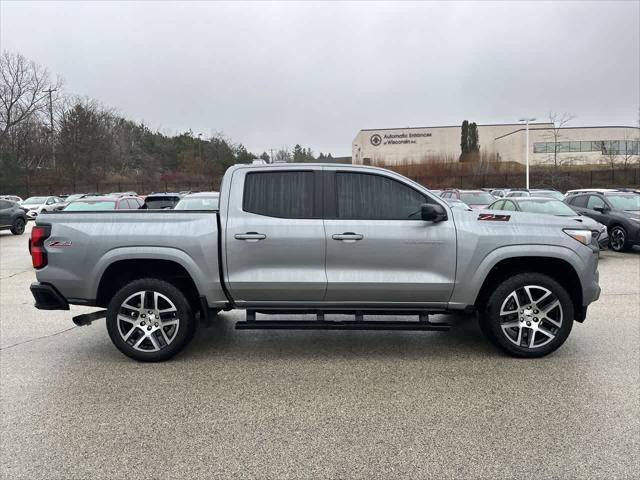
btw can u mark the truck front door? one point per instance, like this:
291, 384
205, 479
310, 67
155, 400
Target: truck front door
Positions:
275, 238
379, 251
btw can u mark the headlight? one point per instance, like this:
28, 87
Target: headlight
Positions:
583, 236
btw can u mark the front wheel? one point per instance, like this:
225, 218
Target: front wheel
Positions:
150, 320
618, 239
528, 315
18, 226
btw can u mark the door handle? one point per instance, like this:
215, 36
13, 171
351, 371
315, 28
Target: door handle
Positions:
348, 236
250, 236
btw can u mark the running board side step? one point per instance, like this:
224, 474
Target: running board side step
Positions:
358, 324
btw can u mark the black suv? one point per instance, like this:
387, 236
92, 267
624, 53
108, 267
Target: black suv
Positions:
12, 217
618, 210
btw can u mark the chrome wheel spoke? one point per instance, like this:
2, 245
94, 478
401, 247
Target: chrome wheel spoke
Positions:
553, 322
532, 337
128, 334
512, 296
140, 340
124, 318
511, 325
168, 323
546, 332
154, 342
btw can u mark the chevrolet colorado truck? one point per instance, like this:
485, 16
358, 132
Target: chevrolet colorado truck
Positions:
321, 240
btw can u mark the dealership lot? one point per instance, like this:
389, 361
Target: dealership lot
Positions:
286, 404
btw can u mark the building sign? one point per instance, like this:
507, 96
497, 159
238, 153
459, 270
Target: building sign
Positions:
397, 138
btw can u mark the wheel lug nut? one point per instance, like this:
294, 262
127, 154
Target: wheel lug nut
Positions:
535, 319
528, 324
142, 323
521, 311
143, 315
149, 327
155, 324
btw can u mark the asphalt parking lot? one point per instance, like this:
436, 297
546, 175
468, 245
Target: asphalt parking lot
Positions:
282, 404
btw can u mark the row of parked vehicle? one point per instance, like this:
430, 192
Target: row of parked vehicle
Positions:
15, 212
614, 213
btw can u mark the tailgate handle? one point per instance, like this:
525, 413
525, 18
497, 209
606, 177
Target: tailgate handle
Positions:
250, 236
348, 236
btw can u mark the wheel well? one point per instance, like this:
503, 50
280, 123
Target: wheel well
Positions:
559, 270
122, 272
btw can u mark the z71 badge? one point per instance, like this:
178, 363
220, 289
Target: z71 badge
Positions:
494, 217
59, 243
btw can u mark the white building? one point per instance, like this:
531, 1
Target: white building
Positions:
505, 142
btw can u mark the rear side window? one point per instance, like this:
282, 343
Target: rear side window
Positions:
374, 197
509, 205
280, 194
579, 201
4, 204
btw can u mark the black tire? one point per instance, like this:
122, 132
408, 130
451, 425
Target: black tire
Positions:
184, 329
620, 239
510, 340
18, 226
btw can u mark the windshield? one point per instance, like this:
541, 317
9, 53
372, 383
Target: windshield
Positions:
551, 207
547, 193
34, 200
91, 205
158, 203
198, 203
624, 201
477, 198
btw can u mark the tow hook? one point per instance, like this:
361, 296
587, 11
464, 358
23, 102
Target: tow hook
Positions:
87, 318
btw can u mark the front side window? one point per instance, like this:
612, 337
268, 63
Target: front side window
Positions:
594, 201
374, 197
509, 205
578, 201
624, 201
280, 194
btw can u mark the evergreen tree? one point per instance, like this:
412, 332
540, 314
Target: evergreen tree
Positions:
474, 140
265, 157
298, 153
464, 138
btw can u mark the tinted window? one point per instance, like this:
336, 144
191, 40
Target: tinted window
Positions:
497, 205
279, 194
624, 201
374, 197
4, 204
159, 203
594, 201
578, 201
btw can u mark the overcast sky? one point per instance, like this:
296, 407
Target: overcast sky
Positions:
274, 74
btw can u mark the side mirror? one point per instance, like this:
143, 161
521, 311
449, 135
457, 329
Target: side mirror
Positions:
602, 209
432, 212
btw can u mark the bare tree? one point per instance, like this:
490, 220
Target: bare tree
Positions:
555, 134
629, 153
23, 90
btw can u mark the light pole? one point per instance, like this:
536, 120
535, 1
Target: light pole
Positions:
526, 154
200, 147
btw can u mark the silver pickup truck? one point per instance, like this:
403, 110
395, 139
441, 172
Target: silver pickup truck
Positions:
321, 240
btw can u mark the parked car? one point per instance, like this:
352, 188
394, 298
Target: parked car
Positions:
474, 198
13, 198
123, 194
455, 203
517, 193
12, 217
104, 203
161, 201
619, 211
551, 206
36, 205
199, 201
499, 192
588, 190
323, 238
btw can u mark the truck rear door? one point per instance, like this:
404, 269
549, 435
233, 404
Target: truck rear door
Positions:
275, 237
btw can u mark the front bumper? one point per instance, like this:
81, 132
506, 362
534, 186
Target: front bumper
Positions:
48, 297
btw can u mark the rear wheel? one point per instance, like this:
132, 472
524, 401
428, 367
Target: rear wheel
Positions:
18, 226
618, 239
150, 320
528, 315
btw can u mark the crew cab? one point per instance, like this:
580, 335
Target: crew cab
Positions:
317, 239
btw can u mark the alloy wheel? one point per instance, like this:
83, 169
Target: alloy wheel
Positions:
148, 321
617, 238
531, 316
18, 227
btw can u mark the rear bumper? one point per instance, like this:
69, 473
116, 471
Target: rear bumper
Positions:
48, 297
